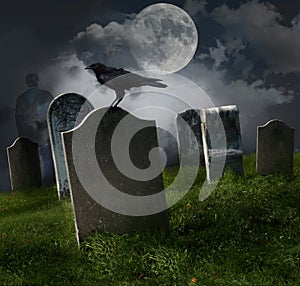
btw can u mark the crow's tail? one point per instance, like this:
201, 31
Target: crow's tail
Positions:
157, 84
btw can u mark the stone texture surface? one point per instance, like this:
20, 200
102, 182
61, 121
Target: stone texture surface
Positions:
192, 118
92, 187
24, 164
65, 112
222, 141
275, 148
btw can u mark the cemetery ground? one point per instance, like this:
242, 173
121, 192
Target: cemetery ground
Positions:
246, 233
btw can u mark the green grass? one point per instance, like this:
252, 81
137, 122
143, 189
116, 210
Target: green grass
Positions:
246, 233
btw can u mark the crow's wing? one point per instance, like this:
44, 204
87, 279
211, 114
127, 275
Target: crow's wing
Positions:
111, 74
125, 80
135, 80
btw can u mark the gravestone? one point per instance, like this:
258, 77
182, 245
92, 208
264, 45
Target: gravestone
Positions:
24, 164
114, 187
222, 143
275, 148
185, 135
65, 112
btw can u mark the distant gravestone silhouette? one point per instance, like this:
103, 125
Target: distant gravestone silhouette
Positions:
275, 148
99, 190
65, 112
24, 164
192, 118
222, 141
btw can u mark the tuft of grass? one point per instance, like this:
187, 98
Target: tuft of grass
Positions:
247, 232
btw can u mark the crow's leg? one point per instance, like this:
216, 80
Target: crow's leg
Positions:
113, 103
117, 102
120, 93
111, 108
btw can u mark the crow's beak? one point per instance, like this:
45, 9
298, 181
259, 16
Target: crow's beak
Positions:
87, 68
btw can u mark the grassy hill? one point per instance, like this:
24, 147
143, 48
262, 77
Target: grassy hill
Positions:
246, 233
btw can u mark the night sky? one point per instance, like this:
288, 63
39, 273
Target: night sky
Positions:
248, 54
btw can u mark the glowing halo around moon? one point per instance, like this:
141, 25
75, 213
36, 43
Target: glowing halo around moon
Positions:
164, 38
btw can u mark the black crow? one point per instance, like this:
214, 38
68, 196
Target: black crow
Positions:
127, 80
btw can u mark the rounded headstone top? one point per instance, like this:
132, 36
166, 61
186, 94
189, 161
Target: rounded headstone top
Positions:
21, 140
274, 123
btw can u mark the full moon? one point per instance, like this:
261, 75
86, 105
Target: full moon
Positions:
164, 38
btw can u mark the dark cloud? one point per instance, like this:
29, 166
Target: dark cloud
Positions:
258, 24
195, 7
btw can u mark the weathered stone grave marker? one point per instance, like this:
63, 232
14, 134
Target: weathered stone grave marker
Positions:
114, 187
24, 164
185, 135
275, 148
65, 112
222, 143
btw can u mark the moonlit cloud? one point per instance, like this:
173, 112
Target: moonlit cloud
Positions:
108, 44
252, 98
259, 26
67, 74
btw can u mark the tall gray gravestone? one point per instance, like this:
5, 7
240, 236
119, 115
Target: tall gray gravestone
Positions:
108, 192
222, 142
24, 164
185, 135
275, 148
65, 112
